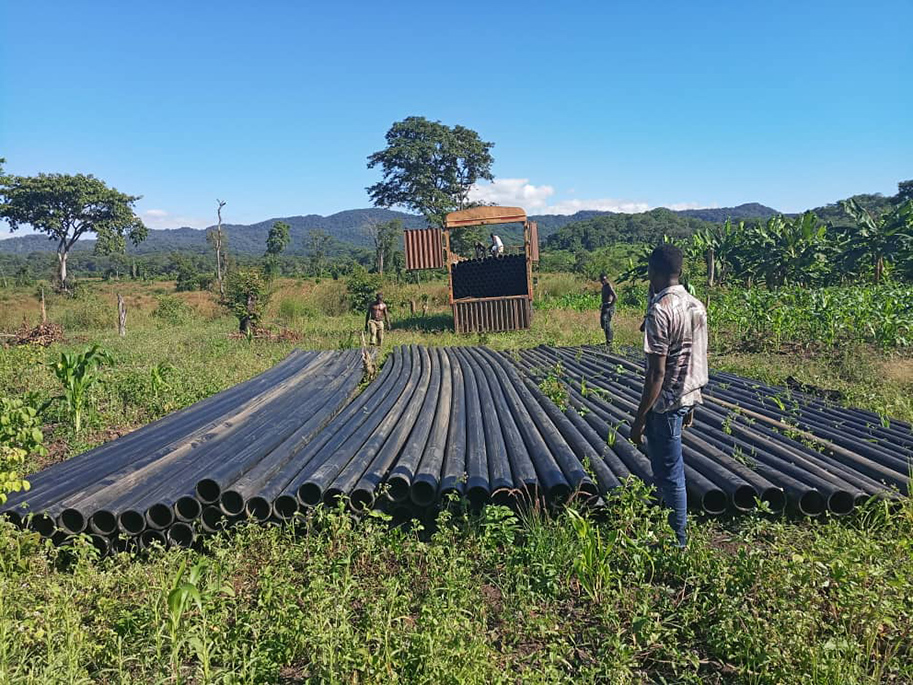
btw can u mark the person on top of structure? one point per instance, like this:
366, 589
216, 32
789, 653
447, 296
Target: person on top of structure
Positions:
480, 250
375, 318
497, 247
675, 342
607, 310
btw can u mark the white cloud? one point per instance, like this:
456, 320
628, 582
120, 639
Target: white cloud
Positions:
678, 206
606, 204
512, 191
160, 218
539, 199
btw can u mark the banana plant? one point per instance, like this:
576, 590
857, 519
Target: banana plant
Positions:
880, 240
78, 373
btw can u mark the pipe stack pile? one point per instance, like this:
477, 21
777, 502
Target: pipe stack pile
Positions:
460, 422
490, 277
749, 442
157, 483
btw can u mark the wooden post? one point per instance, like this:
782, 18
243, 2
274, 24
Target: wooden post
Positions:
44, 311
121, 316
412, 307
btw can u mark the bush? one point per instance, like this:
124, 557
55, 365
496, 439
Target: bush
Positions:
361, 287
88, 311
20, 436
246, 297
172, 310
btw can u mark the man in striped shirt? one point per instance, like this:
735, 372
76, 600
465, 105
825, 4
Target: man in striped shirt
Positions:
675, 342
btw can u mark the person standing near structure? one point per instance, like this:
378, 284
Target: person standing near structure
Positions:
497, 247
375, 318
607, 311
675, 342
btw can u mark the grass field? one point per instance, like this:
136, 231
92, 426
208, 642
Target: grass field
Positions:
490, 597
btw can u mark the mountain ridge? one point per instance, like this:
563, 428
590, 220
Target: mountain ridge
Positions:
347, 228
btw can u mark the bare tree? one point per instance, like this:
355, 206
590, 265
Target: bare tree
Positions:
383, 235
217, 239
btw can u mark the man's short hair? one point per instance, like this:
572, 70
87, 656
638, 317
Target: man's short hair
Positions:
666, 259
380, 296
603, 276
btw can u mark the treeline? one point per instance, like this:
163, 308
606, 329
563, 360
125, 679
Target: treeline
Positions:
610, 229
191, 271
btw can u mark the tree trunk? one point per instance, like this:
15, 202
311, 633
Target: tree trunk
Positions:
121, 316
879, 268
44, 310
380, 261
711, 267
62, 268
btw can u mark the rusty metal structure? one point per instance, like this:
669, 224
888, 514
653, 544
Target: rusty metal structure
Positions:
489, 294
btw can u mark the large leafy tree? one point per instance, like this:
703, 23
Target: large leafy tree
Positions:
429, 167
67, 207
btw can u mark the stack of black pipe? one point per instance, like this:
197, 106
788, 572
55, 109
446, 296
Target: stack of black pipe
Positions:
749, 442
154, 484
490, 277
461, 422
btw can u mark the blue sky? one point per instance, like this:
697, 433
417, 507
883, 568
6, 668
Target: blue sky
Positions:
274, 106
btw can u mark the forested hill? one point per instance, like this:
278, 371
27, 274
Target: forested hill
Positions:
348, 229
750, 210
608, 229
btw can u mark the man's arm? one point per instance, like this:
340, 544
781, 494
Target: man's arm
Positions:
653, 385
612, 296
367, 316
386, 316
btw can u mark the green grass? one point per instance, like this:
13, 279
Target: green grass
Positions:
467, 598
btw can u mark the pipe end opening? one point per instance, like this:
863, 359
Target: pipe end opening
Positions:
258, 508
188, 509
775, 499
103, 522
361, 500
840, 503
181, 534
131, 522
232, 503
423, 493
285, 507
714, 502
744, 498
72, 522
159, 516
811, 503
208, 491
309, 494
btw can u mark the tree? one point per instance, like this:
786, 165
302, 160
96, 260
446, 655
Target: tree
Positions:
318, 241
429, 167
880, 240
216, 238
904, 190
67, 207
384, 236
276, 242
248, 294
278, 238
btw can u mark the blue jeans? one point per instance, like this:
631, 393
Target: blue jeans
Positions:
664, 446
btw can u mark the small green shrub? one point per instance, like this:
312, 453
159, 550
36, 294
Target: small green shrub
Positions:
20, 436
172, 310
361, 287
246, 297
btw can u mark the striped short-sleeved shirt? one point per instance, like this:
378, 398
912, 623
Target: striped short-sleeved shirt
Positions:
676, 328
